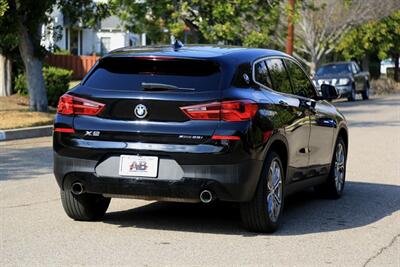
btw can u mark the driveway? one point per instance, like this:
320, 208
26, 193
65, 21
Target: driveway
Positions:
362, 228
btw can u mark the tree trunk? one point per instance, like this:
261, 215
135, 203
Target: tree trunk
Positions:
313, 63
5, 76
365, 63
33, 71
396, 67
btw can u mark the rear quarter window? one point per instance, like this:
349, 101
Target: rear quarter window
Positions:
130, 73
261, 74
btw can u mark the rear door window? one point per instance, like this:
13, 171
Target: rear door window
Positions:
279, 75
301, 85
129, 74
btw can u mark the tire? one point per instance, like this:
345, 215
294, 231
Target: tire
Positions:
334, 185
353, 94
256, 214
84, 207
365, 93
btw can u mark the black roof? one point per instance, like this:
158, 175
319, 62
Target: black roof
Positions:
198, 51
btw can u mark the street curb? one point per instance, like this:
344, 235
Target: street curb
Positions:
23, 133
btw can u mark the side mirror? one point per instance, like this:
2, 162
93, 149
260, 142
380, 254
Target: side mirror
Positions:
328, 92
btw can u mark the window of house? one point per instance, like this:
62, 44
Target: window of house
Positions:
74, 41
105, 45
279, 75
301, 84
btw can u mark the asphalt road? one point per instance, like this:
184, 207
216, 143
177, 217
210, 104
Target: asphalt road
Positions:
362, 228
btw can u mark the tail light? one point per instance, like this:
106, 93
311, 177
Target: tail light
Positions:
237, 110
72, 105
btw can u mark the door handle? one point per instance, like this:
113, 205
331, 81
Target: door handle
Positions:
283, 103
309, 105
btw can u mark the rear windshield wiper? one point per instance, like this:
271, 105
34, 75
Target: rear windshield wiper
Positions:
163, 87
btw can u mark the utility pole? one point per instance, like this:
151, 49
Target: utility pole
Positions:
289, 43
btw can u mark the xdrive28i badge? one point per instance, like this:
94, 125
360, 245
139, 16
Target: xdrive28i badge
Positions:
140, 111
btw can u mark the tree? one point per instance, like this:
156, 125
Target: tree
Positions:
22, 25
86, 12
380, 37
153, 17
7, 44
27, 18
3, 7
238, 22
322, 23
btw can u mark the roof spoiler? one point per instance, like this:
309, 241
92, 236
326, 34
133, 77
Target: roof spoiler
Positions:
177, 45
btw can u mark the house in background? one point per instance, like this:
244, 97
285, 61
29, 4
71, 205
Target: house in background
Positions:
79, 40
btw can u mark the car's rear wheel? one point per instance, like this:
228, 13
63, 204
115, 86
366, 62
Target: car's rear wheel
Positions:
353, 94
333, 187
365, 93
84, 207
263, 212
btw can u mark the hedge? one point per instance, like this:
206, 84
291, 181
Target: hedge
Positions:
56, 81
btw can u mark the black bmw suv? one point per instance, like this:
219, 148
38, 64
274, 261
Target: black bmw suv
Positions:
197, 124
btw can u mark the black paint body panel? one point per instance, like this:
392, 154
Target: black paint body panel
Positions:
231, 168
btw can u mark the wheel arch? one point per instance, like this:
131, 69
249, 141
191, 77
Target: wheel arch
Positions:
278, 143
345, 136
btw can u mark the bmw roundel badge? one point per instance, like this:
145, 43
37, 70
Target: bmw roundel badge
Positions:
140, 111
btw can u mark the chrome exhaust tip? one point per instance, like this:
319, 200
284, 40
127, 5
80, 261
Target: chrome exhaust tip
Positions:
206, 196
77, 188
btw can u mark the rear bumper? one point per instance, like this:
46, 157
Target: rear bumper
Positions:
228, 182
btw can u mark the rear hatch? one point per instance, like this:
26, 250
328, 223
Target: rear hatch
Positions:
143, 97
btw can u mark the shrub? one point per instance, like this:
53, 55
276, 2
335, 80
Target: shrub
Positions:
385, 86
56, 81
390, 72
60, 51
20, 85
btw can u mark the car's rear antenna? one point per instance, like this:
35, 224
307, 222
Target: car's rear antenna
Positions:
177, 45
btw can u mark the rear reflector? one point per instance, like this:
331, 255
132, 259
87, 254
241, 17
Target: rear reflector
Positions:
237, 110
64, 130
225, 137
72, 105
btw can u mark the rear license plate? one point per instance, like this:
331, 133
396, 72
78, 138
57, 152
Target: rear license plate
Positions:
138, 166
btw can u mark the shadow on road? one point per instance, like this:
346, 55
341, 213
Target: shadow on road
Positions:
25, 163
368, 124
391, 100
371, 107
362, 204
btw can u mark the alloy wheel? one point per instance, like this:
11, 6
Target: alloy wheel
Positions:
340, 159
274, 197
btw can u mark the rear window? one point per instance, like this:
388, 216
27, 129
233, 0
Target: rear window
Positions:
130, 73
